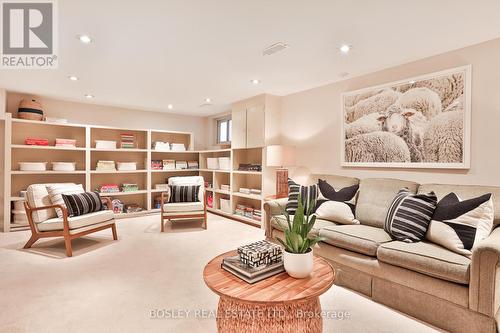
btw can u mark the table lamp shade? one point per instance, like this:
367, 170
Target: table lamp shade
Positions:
281, 157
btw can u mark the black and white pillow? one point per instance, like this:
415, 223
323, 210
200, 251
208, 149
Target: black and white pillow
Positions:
307, 194
184, 193
409, 215
82, 203
337, 206
459, 225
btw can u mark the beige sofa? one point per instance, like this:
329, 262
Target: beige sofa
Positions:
422, 279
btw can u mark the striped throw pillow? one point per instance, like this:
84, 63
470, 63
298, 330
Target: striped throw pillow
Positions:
409, 215
307, 194
57, 190
184, 193
83, 203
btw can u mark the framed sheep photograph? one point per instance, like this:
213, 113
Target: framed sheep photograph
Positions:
420, 122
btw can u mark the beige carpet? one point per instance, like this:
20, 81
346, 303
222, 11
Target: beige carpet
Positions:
112, 286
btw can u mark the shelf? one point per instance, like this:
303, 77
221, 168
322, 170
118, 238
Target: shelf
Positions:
222, 191
17, 199
249, 196
215, 151
47, 147
247, 172
180, 170
175, 152
234, 216
158, 191
215, 170
37, 122
127, 171
121, 150
47, 172
122, 193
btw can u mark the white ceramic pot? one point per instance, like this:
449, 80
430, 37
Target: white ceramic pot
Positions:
298, 266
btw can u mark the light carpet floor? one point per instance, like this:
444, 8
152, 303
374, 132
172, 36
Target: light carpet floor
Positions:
112, 286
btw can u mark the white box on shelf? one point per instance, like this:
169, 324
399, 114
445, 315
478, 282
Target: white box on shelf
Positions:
19, 205
163, 187
181, 165
225, 205
105, 144
212, 163
244, 190
32, 166
63, 166
224, 163
126, 166
161, 146
178, 147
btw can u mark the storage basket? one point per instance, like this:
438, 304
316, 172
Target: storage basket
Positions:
30, 109
225, 205
32, 166
212, 163
63, 166
224, 163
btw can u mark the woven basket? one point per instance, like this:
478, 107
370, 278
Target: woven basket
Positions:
30, 109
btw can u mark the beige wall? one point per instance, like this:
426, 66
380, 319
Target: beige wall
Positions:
311, 119
82, 113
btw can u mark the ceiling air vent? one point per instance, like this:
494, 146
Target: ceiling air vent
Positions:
274, 48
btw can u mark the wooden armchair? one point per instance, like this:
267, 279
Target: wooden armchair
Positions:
43, 220
184, 210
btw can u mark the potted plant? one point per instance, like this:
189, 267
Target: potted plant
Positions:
298, 254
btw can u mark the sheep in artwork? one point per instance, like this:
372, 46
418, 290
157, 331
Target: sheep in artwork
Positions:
366, 124
352, 100
376, 147
422, 99
443, 139
374, 104
408, 124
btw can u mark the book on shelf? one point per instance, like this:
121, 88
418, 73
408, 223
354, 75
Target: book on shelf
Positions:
251, 274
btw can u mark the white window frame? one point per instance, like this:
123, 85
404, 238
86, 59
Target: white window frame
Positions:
228, 134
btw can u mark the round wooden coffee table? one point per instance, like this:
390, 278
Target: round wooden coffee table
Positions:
277, 304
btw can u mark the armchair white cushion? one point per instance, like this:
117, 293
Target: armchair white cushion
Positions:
76, 222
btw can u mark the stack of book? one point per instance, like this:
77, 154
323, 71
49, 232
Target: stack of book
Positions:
168, 164
109, 188
127, 140
257, 215
251, 274
130, 187
66, 143
156, 165
106, 166
36, 142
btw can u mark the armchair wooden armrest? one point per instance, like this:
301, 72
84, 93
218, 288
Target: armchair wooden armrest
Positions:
30, 210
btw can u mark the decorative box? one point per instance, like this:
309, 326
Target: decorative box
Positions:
212, 163
106, 166
161, 146
63, 166
168, 164
225, 205
156, 165
104, 144
224, 163
181, 165
260, 253
178, 147
126, 166
193, 165
130, 187
32, 166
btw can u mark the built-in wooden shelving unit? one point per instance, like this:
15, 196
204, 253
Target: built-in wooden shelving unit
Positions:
86, 156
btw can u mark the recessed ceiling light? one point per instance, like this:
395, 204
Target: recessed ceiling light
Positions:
89, 96
255, 81
345, 48
84, 39
170, 106
208, 100
73, 78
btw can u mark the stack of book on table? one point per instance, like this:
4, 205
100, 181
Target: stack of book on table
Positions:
255, 262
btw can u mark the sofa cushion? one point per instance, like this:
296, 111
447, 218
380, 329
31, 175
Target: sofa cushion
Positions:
466, 192
38, 196
319, 224
426, 258
76, 222
183, 207
358, 238
375, 197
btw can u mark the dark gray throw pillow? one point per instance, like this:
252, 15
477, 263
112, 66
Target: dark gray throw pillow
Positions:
184, 193
82, 203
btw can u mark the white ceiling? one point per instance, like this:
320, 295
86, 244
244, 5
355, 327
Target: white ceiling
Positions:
148, 54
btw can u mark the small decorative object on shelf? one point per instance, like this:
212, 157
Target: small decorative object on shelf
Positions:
126, 166
178, 147
260, 253
105, 166
208, 184
161, 146
109, 188
248, 273
117, 206
127, 141
225, 205
157, 202
248, 212
130, 187
192, 164
66, 143
36, 142
250, 167
105, 144
156, 165
132, 208
181, 165
30, 110
298, 254
210, 199
168, 164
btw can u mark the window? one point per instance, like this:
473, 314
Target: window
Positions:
224, 130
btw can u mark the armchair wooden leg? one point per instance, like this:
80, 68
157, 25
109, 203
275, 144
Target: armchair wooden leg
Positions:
113, 230
162, 224
69, 250
30, 242
205, 221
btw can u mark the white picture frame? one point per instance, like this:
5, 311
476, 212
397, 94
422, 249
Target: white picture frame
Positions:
414, 82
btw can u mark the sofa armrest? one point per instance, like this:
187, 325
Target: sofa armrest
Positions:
484, 288
273, 208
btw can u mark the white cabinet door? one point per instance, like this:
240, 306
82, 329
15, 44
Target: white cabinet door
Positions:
239, 129
255, 127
